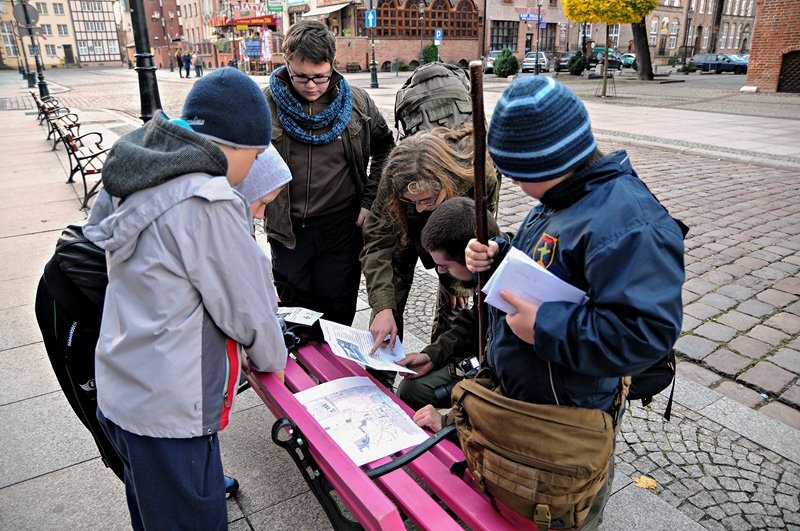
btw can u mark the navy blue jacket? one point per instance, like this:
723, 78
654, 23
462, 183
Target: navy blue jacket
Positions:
603, 231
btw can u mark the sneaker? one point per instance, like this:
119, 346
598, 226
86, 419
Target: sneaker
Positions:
231, 486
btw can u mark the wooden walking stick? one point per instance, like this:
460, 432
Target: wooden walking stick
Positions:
479, 163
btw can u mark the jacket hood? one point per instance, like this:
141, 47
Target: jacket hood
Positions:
115, 225
587, 179
156, 153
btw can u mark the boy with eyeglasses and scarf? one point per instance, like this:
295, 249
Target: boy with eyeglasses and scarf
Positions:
327, 132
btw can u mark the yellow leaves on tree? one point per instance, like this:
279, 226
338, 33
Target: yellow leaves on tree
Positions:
609, 11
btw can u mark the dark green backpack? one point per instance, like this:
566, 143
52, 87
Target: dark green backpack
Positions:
436, 94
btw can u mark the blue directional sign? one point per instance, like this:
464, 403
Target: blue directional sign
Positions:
370, 18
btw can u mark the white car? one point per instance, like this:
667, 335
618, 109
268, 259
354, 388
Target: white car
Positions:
529, 62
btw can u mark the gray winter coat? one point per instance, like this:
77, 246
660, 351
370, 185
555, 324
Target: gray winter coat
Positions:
184, 276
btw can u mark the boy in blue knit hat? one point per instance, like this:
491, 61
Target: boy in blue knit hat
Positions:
598, 227
188, 288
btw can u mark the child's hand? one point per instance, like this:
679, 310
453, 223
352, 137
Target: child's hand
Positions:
522, 321
419, 362
429, 417
383, 325
479, 257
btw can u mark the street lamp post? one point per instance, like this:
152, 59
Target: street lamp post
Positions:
421, 12
689, 15
43, 90
145, 69
538, 32
373, 66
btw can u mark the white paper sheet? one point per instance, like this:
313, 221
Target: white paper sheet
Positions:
521, 275
361, 418
298, 315
353, 344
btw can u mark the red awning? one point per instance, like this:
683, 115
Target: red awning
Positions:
267, 20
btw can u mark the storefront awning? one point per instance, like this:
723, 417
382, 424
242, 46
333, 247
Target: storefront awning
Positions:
324, 11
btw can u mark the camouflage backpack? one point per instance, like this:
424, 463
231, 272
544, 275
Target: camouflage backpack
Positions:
435, 94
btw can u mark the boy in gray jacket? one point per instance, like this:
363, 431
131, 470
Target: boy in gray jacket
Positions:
188, 289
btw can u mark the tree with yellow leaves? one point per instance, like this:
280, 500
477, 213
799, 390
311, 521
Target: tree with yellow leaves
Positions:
618, 12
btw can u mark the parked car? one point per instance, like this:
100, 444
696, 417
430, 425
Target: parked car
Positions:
719, 62
629, 60
488, 61
561, 60
598, 56
529, 62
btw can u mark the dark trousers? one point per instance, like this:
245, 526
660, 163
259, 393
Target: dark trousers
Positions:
171, 483
322, 272
70, 343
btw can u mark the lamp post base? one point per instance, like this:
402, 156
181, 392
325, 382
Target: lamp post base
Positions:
373, 74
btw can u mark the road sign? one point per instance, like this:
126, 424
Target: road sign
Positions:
370, 18
20, 11
437, 36
22, 31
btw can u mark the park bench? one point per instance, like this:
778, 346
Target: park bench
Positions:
68, 121
86, 155
424, 491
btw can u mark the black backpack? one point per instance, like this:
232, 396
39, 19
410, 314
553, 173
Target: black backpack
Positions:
653, 380
436, 94
69, 309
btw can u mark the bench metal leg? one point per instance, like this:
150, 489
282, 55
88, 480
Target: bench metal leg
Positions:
286, 435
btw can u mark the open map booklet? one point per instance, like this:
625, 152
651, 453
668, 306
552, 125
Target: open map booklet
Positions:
362, 419
353, 344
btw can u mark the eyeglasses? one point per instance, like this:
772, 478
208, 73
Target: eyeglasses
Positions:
302, 79
431, 201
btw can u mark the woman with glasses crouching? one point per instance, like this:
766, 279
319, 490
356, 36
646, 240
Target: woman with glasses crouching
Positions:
328, 132
422, 172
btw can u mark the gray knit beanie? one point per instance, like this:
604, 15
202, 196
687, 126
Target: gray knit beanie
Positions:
268, 173
229, 108
539, 131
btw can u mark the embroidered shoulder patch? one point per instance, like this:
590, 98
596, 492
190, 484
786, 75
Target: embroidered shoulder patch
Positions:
545, 250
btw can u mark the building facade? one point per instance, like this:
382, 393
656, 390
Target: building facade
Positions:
775, 52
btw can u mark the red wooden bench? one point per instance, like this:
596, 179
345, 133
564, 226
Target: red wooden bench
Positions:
424, 491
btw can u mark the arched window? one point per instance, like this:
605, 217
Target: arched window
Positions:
465, 20
724, 35
387, 18
735, 43
437, 16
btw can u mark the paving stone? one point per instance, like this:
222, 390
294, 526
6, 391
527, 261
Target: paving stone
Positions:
689, 323
734, 270
751, 263
740, 393
768, 335
767, 376
787, 358
698, 374
715, 300
687, 297
700, 286
755, 308
695, 347
793, 308
738, 320
750, 347
771, 273
789, 285
736, 292
785, 322
727, 362
792, 395
715, 331
786, 414
701, 311
776, 297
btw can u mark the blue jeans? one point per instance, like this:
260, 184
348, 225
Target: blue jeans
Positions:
171, 483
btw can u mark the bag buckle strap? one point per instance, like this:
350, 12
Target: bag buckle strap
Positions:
619, 401
541, 515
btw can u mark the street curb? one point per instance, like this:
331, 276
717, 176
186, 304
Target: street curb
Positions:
701, 150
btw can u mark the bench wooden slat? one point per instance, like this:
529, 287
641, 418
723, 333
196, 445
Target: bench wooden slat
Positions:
374, 511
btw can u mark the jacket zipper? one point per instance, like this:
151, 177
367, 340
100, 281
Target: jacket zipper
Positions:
308, 175
231, 377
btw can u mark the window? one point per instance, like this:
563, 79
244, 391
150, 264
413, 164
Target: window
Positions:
100, 25
676, 3
63, 30
504, 35
47, 29
723, 35
97, 6
50, 50
651, 40
702, 6
586, 33
113, 47
82, 49
89, 25
98, 47
654, 26
691, 36
750, 8
58, 9
692, 5
738, 36
706, 31
731, 36
613, 34
9, 41
41, 7
673, 34
86, 6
